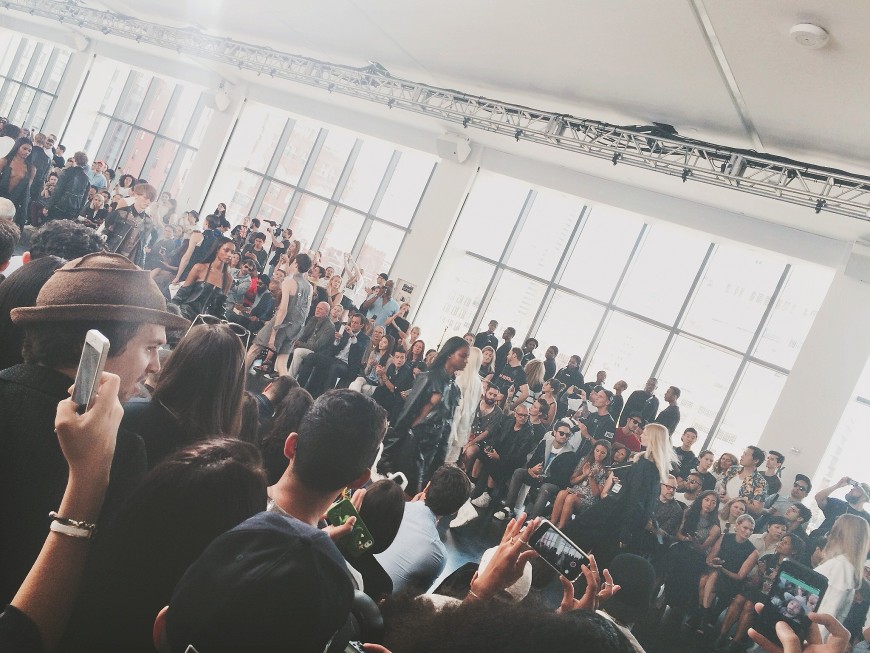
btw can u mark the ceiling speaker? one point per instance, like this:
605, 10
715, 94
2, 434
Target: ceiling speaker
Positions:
453, 147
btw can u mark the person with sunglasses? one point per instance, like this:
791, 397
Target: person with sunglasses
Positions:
629, 433
777, 504
548, 469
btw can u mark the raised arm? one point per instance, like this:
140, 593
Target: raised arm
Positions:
88, 442
822, 495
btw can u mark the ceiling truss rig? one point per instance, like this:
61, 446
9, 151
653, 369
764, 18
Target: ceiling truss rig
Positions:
654, 148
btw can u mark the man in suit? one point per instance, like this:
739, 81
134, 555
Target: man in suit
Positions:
341, 364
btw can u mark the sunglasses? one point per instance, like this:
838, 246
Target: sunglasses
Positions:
802, 488
243, 334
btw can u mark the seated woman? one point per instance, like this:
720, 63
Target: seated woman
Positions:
487, 370
730, 512
550, 394
698, 532
755, 589
700, 525
730, 561
587, 484
205, 288
378, 358
199, 393
620, 462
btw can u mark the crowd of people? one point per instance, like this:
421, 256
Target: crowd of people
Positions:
248, 388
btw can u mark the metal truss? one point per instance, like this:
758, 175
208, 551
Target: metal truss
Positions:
657, 148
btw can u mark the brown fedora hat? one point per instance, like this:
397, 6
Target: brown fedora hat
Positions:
101, 286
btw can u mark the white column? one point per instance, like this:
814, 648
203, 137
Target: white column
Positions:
823, 378
205, 165
73, 78
433, 222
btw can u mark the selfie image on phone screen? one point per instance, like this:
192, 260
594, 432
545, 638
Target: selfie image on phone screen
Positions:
793, 595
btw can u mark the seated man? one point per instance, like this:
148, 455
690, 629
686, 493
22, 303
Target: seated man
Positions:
396, 380
341, 363
241, 283
317, 337
797, 517
629, 434
549, 469
417, 556
504, 451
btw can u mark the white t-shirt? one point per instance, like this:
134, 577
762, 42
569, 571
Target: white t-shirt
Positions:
841, 588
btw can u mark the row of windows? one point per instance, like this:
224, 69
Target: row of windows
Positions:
633, 297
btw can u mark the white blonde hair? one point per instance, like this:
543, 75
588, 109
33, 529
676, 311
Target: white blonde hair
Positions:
659, 449
850, 537
468, 380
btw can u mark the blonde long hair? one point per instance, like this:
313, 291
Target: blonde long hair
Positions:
849, 537
659, 450
534, 374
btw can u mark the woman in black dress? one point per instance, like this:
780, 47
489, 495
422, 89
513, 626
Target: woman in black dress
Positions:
730, 561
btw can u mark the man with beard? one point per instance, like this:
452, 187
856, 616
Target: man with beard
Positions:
854, 503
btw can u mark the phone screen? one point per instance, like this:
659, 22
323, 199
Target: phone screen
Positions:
796, 591
558, 551
90, 367
359, 540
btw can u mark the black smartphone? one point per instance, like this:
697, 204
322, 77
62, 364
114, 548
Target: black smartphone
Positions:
359, 540
558, 551
91, 364
797, 590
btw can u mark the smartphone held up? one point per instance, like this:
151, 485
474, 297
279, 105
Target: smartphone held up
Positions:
91, 365
554, 547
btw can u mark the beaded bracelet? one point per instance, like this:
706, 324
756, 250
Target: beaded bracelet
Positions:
73, 528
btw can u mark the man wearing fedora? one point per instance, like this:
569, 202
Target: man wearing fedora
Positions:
102, 291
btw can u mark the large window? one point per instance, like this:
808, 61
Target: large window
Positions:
339, 193
633, 297
30, 72
147, 126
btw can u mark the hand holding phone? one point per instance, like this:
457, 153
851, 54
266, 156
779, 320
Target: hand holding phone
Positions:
359, 540
91, 364
509, 560
795, 594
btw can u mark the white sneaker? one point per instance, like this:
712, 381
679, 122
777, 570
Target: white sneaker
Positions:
466, 514
482, 501
503, 514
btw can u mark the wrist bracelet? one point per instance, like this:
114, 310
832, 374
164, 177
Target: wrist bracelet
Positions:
470, 593
71, 527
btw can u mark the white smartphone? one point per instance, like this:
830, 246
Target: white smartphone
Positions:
91, 365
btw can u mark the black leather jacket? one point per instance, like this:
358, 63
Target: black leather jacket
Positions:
70, 194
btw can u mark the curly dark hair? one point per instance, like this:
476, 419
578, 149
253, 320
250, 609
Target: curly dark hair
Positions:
66, 239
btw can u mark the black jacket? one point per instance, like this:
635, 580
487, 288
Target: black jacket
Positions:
70, 194
41, 161
33, 470
355, 353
